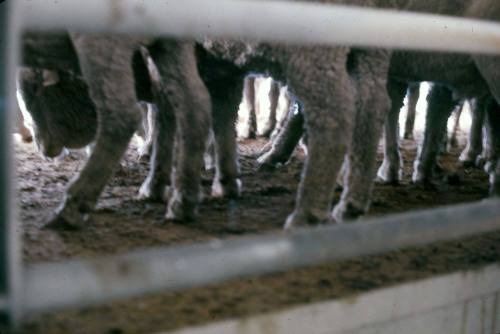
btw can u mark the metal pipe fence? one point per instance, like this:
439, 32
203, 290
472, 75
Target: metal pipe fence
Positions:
57, 285
270, 20
79, 282
10, 269
4, 215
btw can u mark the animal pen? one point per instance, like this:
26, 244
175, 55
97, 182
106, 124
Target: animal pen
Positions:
466, 302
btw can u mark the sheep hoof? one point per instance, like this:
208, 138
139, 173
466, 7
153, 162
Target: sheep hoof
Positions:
302, 218
68, 218
229, 190
489, 166
494, 185
346, 211
269, 161
153, 193
181, 210
386, 175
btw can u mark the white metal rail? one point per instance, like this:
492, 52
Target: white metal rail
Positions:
56, 285
79, 282
10, 269
270, 20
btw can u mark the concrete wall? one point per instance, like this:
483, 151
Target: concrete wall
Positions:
460, 303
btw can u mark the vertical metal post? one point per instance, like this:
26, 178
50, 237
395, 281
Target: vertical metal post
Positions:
4, 263
9, 255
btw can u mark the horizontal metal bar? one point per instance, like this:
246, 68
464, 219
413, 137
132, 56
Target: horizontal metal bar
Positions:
55, 285
274, 21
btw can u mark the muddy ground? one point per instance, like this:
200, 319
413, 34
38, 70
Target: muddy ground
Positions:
123, 224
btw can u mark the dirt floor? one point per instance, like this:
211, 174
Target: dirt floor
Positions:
123, 224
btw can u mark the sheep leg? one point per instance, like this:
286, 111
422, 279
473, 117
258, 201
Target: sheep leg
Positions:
250, 127
330, 106
225, 104
391, 170
283, 145
456, 126
413, 96
109, 77
472, 151
440, 105
372, 107
189, 97
274, 95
